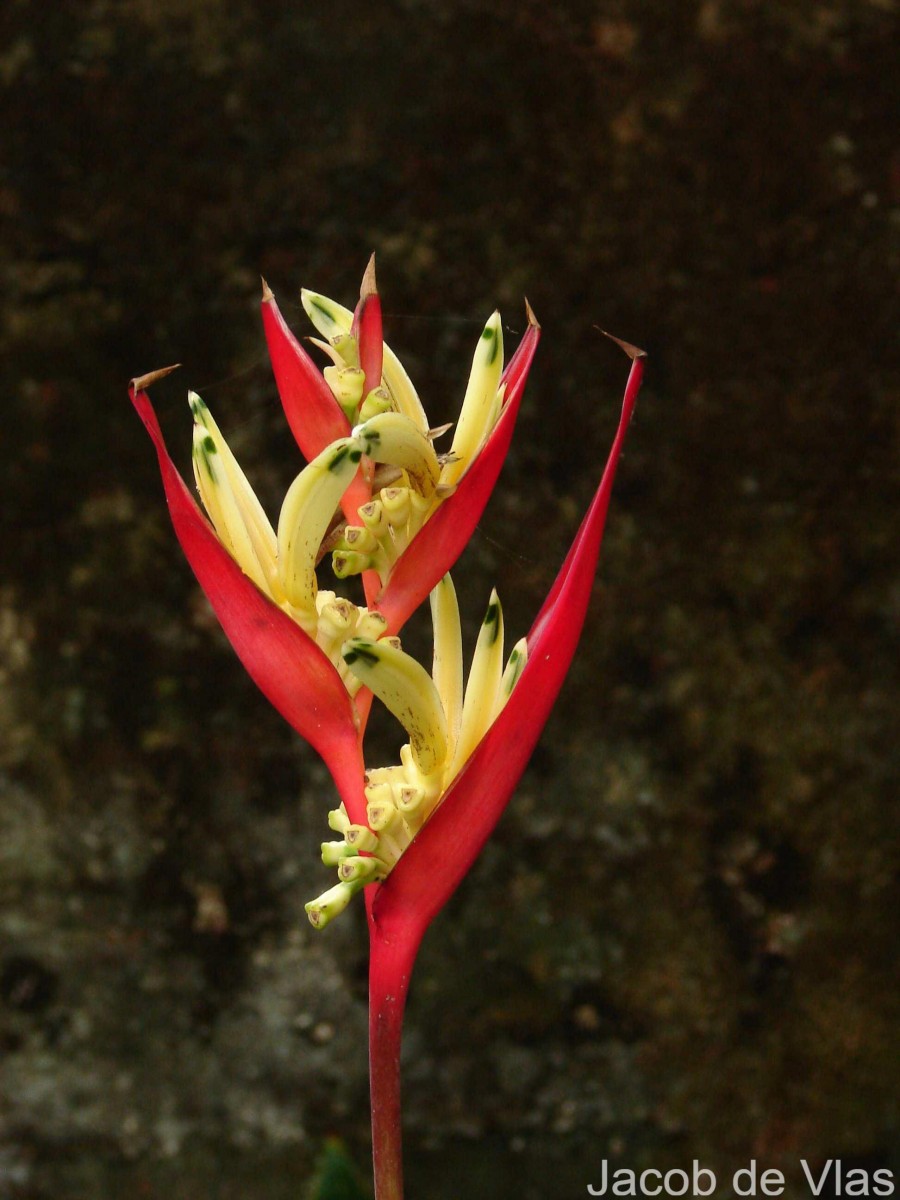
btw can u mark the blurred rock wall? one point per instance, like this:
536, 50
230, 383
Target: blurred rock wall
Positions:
681, 942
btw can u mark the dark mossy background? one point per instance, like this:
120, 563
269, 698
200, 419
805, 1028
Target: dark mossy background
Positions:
682, 940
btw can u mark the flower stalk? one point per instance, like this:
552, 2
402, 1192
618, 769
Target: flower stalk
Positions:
392, 956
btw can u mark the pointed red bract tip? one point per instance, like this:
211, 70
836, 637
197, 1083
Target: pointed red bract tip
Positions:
633, 352
369, 285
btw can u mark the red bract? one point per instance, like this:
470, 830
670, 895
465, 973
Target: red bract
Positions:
434, 864
283, 661
313, 414
440, 542
367, 330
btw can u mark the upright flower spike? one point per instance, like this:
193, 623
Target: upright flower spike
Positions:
408, 833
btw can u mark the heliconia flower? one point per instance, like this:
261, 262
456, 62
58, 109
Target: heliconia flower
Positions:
408, 833
415, 485
308, 650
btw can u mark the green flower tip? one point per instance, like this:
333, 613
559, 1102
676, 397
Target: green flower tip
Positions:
332, 903
360, 650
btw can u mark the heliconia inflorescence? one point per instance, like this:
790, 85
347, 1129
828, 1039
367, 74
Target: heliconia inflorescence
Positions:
383, 502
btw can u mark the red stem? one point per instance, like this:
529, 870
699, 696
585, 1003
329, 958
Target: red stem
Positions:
392, 955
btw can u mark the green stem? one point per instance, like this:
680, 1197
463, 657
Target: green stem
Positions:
391, 959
